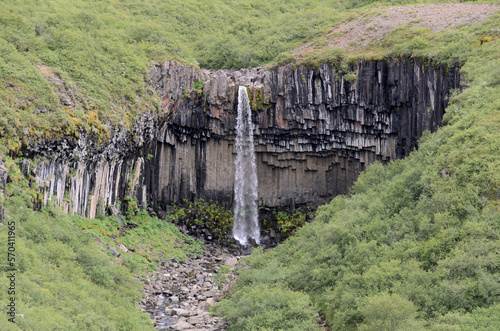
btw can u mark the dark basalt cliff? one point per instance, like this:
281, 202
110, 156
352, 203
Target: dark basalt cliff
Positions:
314, 133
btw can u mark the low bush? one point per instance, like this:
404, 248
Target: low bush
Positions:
265, 307
215, 217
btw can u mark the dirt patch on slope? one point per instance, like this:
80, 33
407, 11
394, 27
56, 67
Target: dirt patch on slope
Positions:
373, 27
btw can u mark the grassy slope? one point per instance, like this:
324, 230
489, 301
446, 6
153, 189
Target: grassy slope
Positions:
415, 245
449, 48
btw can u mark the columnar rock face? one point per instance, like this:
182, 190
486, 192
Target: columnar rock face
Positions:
85, 177
314, 132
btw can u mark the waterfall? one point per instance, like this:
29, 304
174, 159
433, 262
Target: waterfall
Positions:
246, 221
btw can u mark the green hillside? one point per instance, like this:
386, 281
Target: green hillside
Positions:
414, 246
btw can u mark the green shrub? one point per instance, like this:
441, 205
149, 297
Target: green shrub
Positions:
265, 307
217, 218
388, 312
198, 86
284, 221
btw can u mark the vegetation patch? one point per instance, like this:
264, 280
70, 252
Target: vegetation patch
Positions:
208, 220
147, 240
369, 31
268, 307
283, 221
213, 221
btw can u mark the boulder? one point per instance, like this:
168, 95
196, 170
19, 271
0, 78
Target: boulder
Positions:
195, 320
181, 312
232, 261
182, 325
207, 304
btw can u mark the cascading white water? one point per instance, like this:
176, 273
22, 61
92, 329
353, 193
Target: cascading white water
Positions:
246, 221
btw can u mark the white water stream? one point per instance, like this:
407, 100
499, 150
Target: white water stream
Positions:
246, 221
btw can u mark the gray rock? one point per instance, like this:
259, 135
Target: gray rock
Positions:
181, 325
376, 117
209, 303
114, 251
311, 120
232, 261
181, 312
195, 320
209, 294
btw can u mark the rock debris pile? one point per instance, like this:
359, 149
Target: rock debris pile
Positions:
179, 294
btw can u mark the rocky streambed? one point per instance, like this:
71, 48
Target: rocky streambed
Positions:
179, 293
